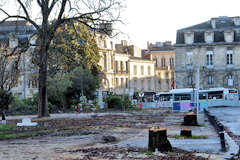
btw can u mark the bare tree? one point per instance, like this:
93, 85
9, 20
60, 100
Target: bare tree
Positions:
54, 13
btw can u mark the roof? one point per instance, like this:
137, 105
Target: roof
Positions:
21, 30
221, 24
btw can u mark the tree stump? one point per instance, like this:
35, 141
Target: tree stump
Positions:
186, 133
190, 119
158, 139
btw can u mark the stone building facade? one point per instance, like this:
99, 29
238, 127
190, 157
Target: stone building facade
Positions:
208, 54
17, 33
163, 53
124, 70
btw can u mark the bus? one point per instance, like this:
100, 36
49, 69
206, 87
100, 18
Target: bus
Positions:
219, 97
213, 97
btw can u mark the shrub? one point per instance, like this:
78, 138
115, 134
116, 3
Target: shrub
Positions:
126, 101
114, 102
22, 106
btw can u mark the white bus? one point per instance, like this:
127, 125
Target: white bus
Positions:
219, 97
213, 96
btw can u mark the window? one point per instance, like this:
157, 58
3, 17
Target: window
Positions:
229, 57
105, 61
210, 79
171, 63
122, 83
166, 75
135, 70
105, 43
127, 67
230, 80
117, 83
112, 61
209, 55
126, 83
159, 83
121, 65
29, 83
142, 70
172, 76
116, 66
149, 70
142, 84
135, 84
189, 58
149, 84
111, 44
189, 80
163, 64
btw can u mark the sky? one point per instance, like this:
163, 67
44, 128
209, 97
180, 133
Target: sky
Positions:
158, 20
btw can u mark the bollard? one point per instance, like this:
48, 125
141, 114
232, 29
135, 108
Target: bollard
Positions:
221, 135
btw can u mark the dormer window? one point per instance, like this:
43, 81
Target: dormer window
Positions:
189, 37
209, 36
228, 36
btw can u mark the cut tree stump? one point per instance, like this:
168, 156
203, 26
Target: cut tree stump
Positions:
158, 139
186, 133
190, 119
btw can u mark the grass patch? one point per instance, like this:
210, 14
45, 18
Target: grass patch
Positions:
10, 131
172, 153
183, 137
149, 153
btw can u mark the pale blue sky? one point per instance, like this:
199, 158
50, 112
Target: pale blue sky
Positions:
158, 20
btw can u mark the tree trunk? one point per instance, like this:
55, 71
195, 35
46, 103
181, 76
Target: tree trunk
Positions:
42, 89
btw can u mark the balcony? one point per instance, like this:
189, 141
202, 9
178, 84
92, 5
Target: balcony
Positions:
189, 67
229, 66
210, 67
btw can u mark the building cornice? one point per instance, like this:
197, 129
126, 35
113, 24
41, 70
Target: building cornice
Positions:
208, 44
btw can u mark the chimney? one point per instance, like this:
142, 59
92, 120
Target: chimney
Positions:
124, 43
213, 23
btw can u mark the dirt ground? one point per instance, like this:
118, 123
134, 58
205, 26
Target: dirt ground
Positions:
94, 138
